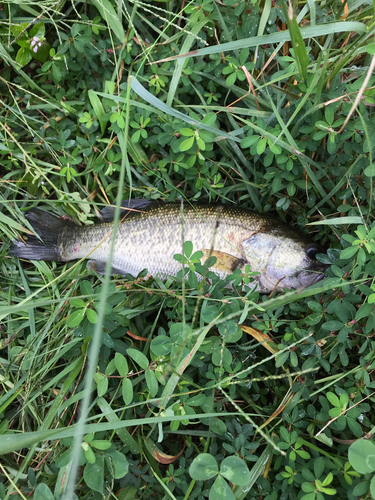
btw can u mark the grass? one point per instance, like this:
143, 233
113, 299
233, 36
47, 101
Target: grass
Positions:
130, 389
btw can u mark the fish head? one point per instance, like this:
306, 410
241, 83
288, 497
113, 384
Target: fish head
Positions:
283, 261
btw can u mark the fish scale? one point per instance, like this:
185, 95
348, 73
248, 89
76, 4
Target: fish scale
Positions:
151, 233
151, 239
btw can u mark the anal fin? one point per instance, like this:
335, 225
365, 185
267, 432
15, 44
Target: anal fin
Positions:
99, 268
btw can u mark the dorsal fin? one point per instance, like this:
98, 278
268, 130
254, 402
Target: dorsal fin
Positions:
108, 213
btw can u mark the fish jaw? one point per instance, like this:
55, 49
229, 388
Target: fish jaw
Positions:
311, 276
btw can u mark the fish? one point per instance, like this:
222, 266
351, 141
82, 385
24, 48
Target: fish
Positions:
150, 233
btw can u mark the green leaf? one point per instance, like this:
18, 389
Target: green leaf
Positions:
332, 326
249, 141
86, 288
209, 313
92, 316
187, 144
56, 72
281, 359
75, 318
362, 456
218, 426
349, 252
370, 170
372, 484
203, 467
102, 385
75, 30
328, 480
161, 345
152, 382
261, 146
136, 136
120, 464
200, 143
284, 433
24, 56
17, 29
197, 400
121, 364
235, 470
222, 356
138, 357
89, 455
308, 488
319, 466
127, 391
101, 444
77, 302
188, 248
187, 132
220, 490
231, 80
42, 492
94, 474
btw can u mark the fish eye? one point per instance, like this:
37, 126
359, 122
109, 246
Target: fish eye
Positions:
312, 250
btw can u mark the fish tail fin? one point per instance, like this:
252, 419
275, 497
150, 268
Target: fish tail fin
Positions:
43, 245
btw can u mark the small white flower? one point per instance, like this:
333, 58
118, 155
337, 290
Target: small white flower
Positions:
35, 43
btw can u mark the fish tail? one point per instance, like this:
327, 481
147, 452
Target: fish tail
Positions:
43, 245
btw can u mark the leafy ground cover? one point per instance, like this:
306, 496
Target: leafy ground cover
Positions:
134, 389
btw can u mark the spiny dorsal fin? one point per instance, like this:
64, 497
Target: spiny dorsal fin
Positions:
108, 213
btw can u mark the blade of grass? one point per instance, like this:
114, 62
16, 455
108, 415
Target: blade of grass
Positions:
110, 16
351, 219
13, 442
300, 54
175, 378
97, 334
160, 108
189, 40
232, 110
123, 433
279, 37
241, 492
98, 108
158, 104
73, 371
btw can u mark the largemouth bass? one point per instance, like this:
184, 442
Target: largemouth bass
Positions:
150, 234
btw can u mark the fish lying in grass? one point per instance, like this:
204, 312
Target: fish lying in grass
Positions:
150, 234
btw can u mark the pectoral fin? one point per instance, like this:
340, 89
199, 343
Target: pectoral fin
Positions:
225, 263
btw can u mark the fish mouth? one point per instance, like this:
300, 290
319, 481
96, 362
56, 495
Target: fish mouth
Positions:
311, 276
